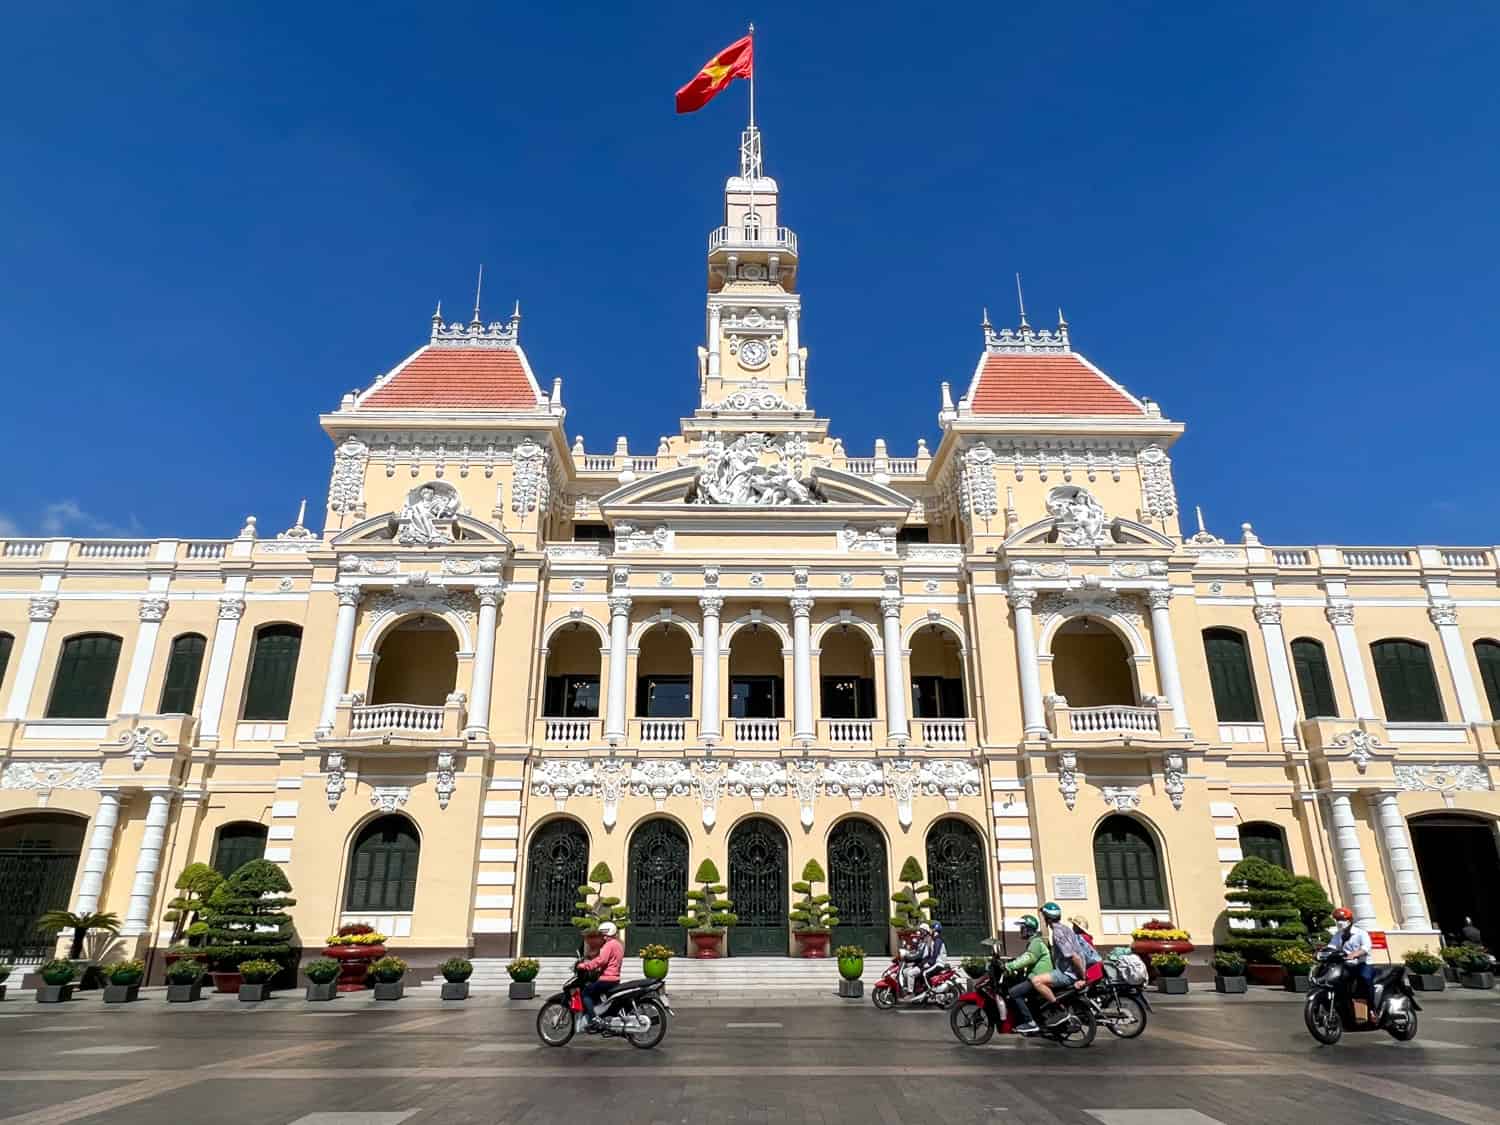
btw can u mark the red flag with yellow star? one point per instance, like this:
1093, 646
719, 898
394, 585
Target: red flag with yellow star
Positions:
734, 61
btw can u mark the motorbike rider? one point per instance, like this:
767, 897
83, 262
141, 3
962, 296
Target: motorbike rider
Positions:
913, 955
1037, 958
935, 955
608, 960
1069, 964
1354, 943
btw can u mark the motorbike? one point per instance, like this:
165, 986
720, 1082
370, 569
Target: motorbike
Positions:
1118, 1004
943, 991
637, 1010
982, 1010
1330, 1007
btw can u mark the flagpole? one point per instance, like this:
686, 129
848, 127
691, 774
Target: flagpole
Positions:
754, 142
752, 76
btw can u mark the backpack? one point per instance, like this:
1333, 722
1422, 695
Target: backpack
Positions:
1130, 967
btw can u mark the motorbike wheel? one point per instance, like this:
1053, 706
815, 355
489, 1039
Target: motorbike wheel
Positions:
1082, 1027
554, 1024
1130, 1020
1408, 1029
970, 1025
653, 1012
883, 998
1322, 1019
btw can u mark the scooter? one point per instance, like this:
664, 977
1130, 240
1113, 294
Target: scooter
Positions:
943, 989
1330, 1009
636, 1010
1118, 1004
982, 1011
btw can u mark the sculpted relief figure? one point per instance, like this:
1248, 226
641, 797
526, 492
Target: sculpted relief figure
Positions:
427, 508
734, 474
1080, 519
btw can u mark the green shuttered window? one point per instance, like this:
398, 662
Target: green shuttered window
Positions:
1126, 866
237, 845
383, 868
85, 677
1229, 674
180, 689
1408, 686
1313, 682
1486, 652
273, 670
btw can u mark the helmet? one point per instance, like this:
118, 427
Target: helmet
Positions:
924, 928
1029, 924
1343, 914
608, 929
1052, 912
937, 927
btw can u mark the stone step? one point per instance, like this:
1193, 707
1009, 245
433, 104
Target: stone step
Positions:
748, 975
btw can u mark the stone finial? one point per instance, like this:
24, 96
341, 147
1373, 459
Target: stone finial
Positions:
1248, 536
248, 531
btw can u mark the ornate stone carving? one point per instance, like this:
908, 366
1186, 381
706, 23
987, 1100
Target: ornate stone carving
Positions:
1158, 498
734, 474
490, 595
346, 490
42, 607
901, 778
389, 798
1020, 597
977, 492
44, 776
419, 591
757, 780
755, 397
358, 564
426, 519
1340, 612
445, 780
890, 605
1077, 517
561, 778
1174, 775
1267, 613
708, 779
950, 779
1068, 604
348, 593
630, 539
528, 490
1443, 612
140, 740
660, 778
1129, 568
1361, 745
1121, 798
879, 540
611, 776
711, 604
153, 607
853, 778
1067, 777
333, 785
231, 607
618, 604
803, 776
1442, 778
1159, 598
802, 605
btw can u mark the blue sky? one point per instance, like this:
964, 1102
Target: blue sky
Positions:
1280, 223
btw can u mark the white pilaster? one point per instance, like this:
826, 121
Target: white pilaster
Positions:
709, 728
1340, 613
1444, 615
713, 341
231, 609
793, 343
895, 677
1401, 862
337, 682
1351, 860
619, 641
1168, 678
101, 844
1268, 616
802, 687
490, 600
152, 609
42, 609
147, 864
1033, 716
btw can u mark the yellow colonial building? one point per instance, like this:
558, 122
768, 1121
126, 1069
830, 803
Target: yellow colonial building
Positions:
504, 658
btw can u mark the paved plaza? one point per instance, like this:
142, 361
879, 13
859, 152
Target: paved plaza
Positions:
1203, 1059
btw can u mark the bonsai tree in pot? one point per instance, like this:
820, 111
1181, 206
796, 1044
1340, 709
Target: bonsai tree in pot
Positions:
194, 885
185, 980
1297, 962
1229, 972
1169, 969
322, 978
655, 960
247, 920
57, 981
388, 973
1263, 916
595, 907
1425, 970
523, 971
914, 902
456, 973
124, 982
1313, 906
708, 912
255, 978
814, 916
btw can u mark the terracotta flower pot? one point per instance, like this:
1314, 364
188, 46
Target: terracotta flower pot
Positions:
705, 944
1269, 974
812, 944
1145, 947
354, 962
227, 982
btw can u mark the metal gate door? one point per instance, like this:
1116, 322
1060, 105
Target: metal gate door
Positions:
658, 885
557, 864
32, 882
857, 885
955, 868
758, 889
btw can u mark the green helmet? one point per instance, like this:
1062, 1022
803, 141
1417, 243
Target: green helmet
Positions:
1052, 912
1029, 922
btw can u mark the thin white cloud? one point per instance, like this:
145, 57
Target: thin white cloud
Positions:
9, 528
67, 517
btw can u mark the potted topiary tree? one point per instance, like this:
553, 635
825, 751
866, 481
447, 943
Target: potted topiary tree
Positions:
389, 973
1263, 917
1297, 963
124, 982
322, 978
914, 902
595, 907
185, 980
523, 971
57, 981
194, 885
814, 916
1475, 968
708, 912
456, 973
5, 969
1314, 908
1169, 969
1229, 972
1425, 970
355, 947
851, 967
247, 920
655, 961
255, 975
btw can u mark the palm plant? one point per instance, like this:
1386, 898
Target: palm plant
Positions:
81, 924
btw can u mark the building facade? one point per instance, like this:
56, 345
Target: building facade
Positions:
505, 658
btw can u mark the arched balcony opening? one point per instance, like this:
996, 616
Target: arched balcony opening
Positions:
417, 663
570, 696
1095, 691
664, 683
757, 686
847, 684
938, 701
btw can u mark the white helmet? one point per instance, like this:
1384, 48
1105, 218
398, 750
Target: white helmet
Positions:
608, 929
924, 928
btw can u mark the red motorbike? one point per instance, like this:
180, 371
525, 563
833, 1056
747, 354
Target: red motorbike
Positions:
943, 989
982, 1011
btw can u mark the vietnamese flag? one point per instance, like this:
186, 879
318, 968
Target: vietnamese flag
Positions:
734, 61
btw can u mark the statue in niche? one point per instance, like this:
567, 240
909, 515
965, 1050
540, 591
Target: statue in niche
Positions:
1078, 518
734, 474
426, 518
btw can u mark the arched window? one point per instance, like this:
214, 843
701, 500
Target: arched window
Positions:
273, 669
1313, 681
1408, 686
752, 226
179, 690
39, 853
1264, 841
237, 845
383, 866
1126, 866
1486, 652
937, 677
7, 642
85, 677
1229, 675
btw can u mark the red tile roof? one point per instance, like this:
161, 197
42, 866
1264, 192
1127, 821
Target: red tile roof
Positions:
457, 379
1046, 384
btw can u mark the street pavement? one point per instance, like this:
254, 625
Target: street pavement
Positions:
1203, 1059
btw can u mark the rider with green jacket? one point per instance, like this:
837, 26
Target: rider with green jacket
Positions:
1036, 959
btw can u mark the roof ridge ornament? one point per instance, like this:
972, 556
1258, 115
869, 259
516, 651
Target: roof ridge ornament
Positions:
477, 334
1026, 340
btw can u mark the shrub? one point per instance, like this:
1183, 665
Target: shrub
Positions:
975, 966
246, 915
257, 970
814, 914
1169, 964
603, 908
1423, 961
388, 970
850, 952
655, 953
1472, 958
186, 971
1261, 895
914, 902
523, 969
127, 972
1452, 954
456, 970
58, 972
708, 912
1294, 958
5, 969
196, 883
80, 924
1229, 964
323, 970
1314, 907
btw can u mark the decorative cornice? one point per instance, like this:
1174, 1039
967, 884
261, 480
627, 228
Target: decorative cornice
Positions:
153, 607
43, 607
1340, 612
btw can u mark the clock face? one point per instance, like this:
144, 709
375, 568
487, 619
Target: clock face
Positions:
753, 353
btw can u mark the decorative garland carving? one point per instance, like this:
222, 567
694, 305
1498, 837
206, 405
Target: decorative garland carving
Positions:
978, 494
140, 740
529, 486
346, 490
1158, 498
51, 775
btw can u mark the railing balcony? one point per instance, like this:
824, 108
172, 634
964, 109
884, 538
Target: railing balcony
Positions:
943, 732
756, 732
662, 732
733, 238
851, 732
568, 732
1375, 556
1110, 723
1459, 557
387, 723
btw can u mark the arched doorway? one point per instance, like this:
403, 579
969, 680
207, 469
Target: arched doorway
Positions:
1459, 862
557, 864
1126, 867
955, 868
758, 888
658, 881
38, 860
858, 886
383, 867
417, 663
1091, 665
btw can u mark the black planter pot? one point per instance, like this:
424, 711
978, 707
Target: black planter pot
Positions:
455, 990
1450, 974
851, 989
121, 993
255, 993
1234, 985
184, 993
2, 992
54, 993
1297, 982
389, 989
523, 990
1477, 980
322, 990
1172, 986
1428, 982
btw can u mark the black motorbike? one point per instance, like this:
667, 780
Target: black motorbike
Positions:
983, 1010
636, 1010
1119, 1005
1330, 1002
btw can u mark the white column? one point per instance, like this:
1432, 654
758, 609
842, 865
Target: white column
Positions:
231, 609
1340, 614
147, 864
895, 677
490, 599
713, 342
619, 640
101, 843
1351, 860
793, 343
43, 608
1268, 616
152, 608
1444, 615
802, 686
1168, 679
337, 682
708, 723
1032, 714
1401, 862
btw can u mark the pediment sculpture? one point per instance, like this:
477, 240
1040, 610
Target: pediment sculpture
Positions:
735, 474
1079, 519
426, 519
